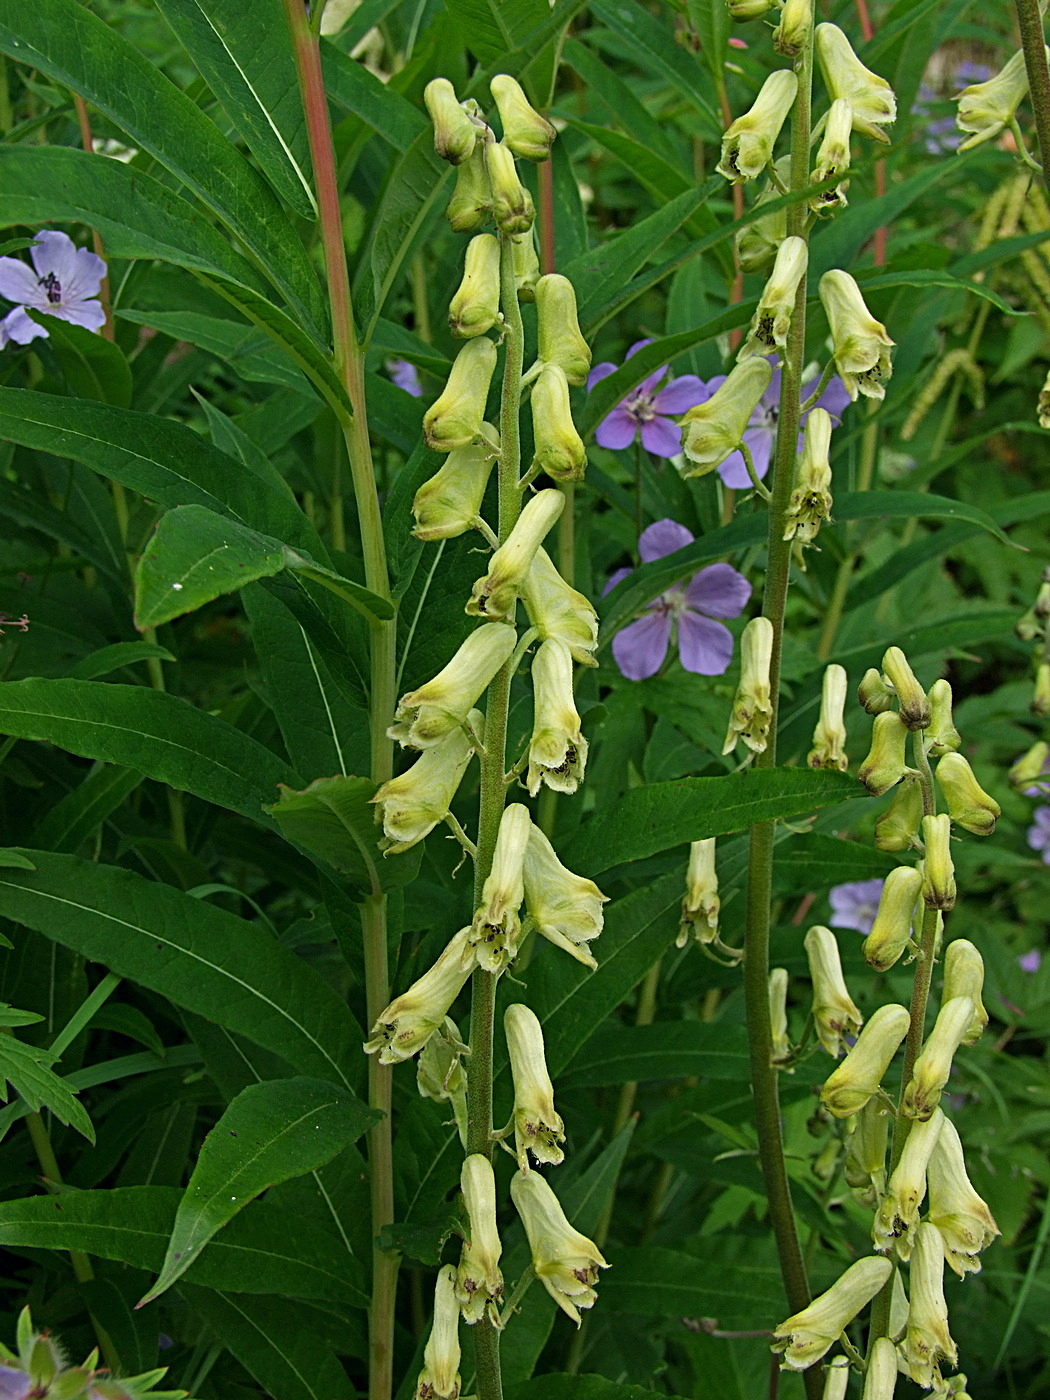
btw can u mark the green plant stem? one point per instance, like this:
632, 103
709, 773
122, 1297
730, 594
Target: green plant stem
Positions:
348, 358
1030, 23
764, 1085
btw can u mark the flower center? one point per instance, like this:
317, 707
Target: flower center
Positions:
640, 408
52, 288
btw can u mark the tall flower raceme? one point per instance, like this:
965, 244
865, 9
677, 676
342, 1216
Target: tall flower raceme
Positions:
64, 281
520, 884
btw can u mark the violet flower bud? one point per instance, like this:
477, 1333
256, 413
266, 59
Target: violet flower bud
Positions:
538, 1127
455, 418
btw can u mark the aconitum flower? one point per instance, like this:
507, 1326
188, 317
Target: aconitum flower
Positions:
688, 609
855, 904
646, 410
64, 281
1038, 835
761, 431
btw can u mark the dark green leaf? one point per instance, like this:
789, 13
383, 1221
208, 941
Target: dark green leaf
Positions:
576, 1387
656, 1282
366, 602
668, 1050
352, 86
26, 507
15, 860
27, 1069
94, 367
243, 347
115, 657
334, 820
652, 43
79, 813
493, 28
924, 277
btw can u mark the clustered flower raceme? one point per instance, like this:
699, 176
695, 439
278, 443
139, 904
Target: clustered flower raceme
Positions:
40, 1368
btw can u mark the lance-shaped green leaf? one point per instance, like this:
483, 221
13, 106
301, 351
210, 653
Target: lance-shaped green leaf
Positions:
335, 821
94, 367
115, 657
270, 1133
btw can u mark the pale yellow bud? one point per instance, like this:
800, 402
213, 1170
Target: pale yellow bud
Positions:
891, 931
934, 1064
836, 1378
559, 339
938, 870
810, 502
964, 977
780, 1040
752, 705
880, 1379
449, 503
806, 1336
870, 97
749, 9
898, 1215
526, 265
715, 429
455, 419
566, 908
927, 1340
796, 23
747, 146
412, 1018
858, 1078
479, 1282
566, 1262
1030, 768
557, 749
969, 806
496, 929
439, 1378
1040, 704
471, 202
833, 157
898, 827
558, 449
701, 905
512, 206
914, 704
527, 133
829, 737
865, 1166
966, 1224
859, 343
496, 592
873, 693
757, 242
538, 1127
415, 801
454, 132
557, 610
834, 1013
425, 715
475, 307
885, 764
986, 109
772, 320
942, 734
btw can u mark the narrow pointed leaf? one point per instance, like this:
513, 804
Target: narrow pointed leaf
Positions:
334, 819
94, 367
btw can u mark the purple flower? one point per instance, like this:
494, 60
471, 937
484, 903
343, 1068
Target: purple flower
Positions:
14, 1384
761, 431
704, 646
1039, 834
855, 904
641, 412
63, 281
1030, 962
405, 376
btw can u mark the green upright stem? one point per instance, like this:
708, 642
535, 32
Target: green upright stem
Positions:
349, 361
1030, 23
764, 1085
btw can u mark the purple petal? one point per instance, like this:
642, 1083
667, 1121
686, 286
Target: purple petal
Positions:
855, 904
771, 398
706, 647
617, 430
1030, 962
734, 473
642, 645
684, 392
405, 375
638, 345
834, 400
84, 279
18, 327
647, 388
715, 384
617, 576
55, 252
661, 539
83, 313
661, 437
719, 591
18, 282
600, 372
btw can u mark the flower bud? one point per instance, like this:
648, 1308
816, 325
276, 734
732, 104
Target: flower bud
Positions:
934, 1064
987, 108
440, 1374
969, 806
479, 1282
810, 502
455, 419
849, 1086
715, 428
538, 1127
526, 265
424, 716
558, 447
475, 307
966, 1224
859, 342
747, 146
870, 97
891, 931
752, 705
496, 929
412, 1018
701, 905
749, 9
757, 242
557, 749
471, 202
873, 693
566, 1262
834, 1014
885, 764
1041, 697
496, 592
449, 503
880, 1379
805, 1337
964, 977
942, 735
512, 206
415, 801
772, 320
796, 23
440, 1075
560, 341
898, 827
927, 1339
557, 610
527, 133
780, 1040
566, 908
454, 132
938, 889
914, 705
1031, 769
865, 1166
898, 1215
833, 156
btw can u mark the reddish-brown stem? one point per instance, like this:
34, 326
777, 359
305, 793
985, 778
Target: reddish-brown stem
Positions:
84, 123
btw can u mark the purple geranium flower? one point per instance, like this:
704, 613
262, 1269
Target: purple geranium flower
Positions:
705, 646
64, 281
855, 904
761, 431
1039, 834
1030, 962
405, 376
14, 1384
643, 409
